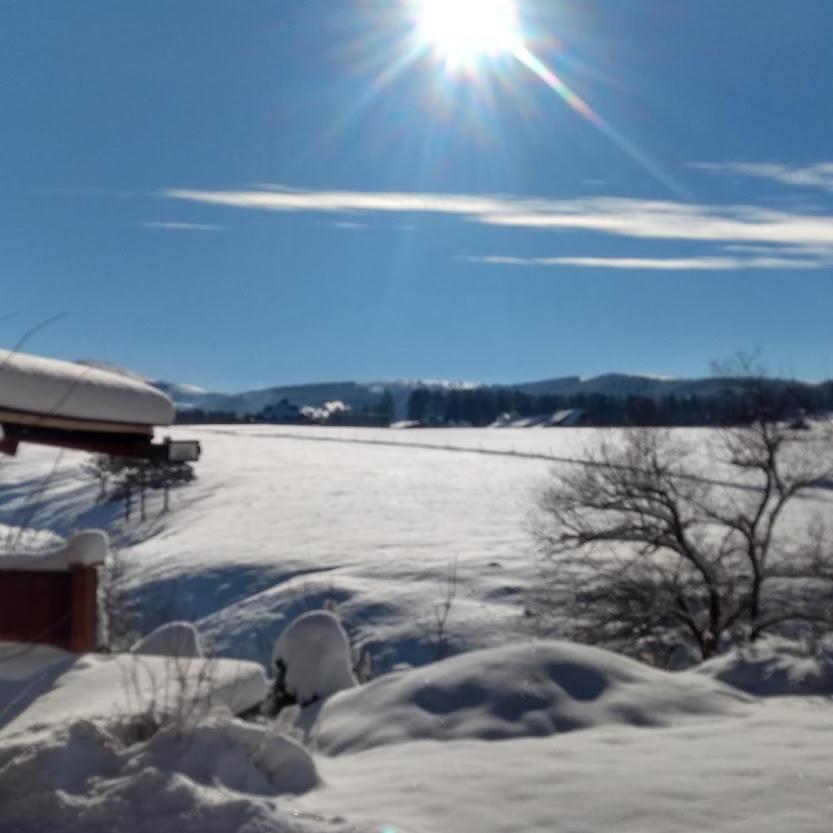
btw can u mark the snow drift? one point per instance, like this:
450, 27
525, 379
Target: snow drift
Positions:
222, 776
536, 689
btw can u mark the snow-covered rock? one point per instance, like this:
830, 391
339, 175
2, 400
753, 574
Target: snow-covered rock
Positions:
173, 639
314, 656
536, 689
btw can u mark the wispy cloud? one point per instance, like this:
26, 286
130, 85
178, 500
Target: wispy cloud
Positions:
816, 175
808, 235
277, 198
670, 264
177, 226
345, 224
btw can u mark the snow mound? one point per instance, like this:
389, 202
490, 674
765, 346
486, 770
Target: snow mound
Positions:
85, 548
536, 689
173, 639
313, 653
222, 775
772, 668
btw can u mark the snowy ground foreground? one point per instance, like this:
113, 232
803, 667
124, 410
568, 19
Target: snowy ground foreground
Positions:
767, 773
283, 519
553, 737
542, 738
220, 775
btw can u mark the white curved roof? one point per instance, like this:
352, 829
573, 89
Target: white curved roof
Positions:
57, 388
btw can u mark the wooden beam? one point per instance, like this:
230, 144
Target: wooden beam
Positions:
84, 609
64, 423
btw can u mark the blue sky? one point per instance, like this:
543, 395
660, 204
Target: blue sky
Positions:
239, 194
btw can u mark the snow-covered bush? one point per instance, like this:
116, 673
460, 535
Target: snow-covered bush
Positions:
312, 659
178, 696
174, 639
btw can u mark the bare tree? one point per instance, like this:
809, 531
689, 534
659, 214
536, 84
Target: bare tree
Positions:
436, 629
120, 478
648, 547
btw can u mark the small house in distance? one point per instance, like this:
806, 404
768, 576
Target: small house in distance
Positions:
568, 418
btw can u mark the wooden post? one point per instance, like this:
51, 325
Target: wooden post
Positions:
84, 609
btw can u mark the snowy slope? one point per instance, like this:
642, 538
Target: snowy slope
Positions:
282, 520
278, 522
767, 772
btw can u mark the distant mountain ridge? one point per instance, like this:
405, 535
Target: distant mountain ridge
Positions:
358, 395
624, 384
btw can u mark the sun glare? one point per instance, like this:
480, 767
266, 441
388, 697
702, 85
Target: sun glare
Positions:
462, 32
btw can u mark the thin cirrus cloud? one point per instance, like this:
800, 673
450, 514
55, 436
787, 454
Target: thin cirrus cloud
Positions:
669, 264
807, 238
179, 226
815, 175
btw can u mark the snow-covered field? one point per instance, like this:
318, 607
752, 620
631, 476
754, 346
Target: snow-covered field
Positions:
521, 736
285, 519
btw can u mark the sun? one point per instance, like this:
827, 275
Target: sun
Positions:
463, 32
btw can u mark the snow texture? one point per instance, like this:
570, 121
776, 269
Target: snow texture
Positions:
85, 549
765, 771
174, 639
224, 775
538, 689
773, 667
59, 388
314, 653
44, 687
283, 519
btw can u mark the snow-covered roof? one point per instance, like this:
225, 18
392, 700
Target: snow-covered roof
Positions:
84, 549
37, 385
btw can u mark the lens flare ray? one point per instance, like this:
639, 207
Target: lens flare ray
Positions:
474, 35
545, 74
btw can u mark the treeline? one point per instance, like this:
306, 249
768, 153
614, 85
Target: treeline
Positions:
735, 404
379, 413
